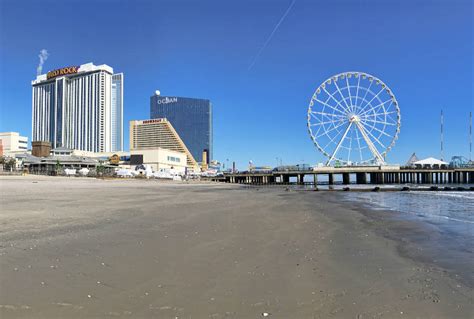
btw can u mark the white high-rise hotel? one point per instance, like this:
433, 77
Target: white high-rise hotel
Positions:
79, 107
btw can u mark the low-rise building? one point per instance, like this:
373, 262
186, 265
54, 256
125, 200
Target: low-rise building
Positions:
159, 158
120, 158
53, 164
13, 143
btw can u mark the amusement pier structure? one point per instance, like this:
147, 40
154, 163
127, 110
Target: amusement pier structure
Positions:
354, 120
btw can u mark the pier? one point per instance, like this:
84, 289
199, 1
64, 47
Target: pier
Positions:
357, 175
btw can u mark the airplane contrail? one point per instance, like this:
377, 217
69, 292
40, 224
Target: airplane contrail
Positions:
271, 35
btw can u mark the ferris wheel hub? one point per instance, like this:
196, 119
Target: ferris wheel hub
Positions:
353, 118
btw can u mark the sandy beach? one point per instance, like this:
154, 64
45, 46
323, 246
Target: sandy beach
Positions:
89, 248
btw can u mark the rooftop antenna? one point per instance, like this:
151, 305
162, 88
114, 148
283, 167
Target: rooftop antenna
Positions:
442, 150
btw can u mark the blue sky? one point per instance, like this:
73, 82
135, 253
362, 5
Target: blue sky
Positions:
423, 50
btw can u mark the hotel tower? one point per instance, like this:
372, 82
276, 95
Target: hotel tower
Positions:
79, 107
190, 117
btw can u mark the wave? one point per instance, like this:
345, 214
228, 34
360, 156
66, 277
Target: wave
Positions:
467, 195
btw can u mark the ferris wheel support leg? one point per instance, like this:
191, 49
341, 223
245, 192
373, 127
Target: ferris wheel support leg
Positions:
339, 144
371, 145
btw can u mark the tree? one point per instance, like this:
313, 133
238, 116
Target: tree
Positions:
100, 168
9, 164
58, 167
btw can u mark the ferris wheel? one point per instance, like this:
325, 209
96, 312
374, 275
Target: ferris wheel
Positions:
354, 118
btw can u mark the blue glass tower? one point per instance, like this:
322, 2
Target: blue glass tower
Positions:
191, 118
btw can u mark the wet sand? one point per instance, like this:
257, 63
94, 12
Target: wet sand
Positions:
87, 248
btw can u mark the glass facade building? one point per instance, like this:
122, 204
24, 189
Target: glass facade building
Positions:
190, 117
117, 112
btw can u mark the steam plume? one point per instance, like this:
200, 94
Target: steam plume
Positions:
43, 56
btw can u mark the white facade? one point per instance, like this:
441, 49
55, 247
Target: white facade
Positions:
77, 108
161, 158
431, 161
13, 143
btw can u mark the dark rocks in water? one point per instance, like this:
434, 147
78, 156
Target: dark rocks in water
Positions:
471, 188
346, 189
376, 189
405, 188
433, 188
447, 188
460, 188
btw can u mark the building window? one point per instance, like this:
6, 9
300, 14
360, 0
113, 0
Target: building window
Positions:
174, 159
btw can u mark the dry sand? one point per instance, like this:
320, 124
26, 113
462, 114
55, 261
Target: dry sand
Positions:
87, 248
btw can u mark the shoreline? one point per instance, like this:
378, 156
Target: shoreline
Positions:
210, 250
422, 241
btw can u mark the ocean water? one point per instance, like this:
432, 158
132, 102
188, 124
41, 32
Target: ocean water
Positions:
451, 210
442, 207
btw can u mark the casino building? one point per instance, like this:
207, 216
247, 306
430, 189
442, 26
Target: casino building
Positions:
79, 107
147, 136
190, 117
